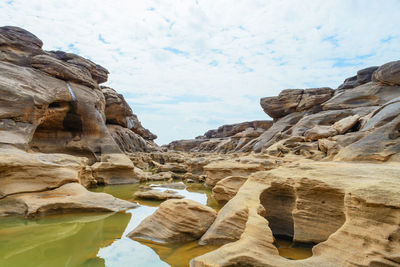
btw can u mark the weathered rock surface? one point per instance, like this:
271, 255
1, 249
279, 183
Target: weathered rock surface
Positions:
227, 138
18, 46
356, 206
158, 195
51, 102
175, 221
388, 73
59, 69
292, 100
118, 112
227, 188
22, 172
217, 170
71, 197
369, 94
318, 132
363, 76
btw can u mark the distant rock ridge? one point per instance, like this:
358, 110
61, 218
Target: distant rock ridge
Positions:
227, 138
358, 121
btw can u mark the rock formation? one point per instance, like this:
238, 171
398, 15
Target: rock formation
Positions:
227, 188
51, 102
347, 208
325, 172
175, 221
227, 138
157, 195
351, 211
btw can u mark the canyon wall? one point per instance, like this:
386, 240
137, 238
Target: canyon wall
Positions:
59, 129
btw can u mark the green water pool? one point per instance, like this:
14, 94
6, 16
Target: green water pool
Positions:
99, 239
95, 239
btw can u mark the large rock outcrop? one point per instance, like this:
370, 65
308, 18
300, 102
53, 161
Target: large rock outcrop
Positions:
51, 102
352, 213
292, 100
175, 221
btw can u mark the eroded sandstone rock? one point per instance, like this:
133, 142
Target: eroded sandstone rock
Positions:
51, 102
310, 202
18, 46
217, 170
22, 172
227, 188
158, 195
175, 221
388, 73
71, 197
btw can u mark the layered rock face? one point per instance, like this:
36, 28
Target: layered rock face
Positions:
175, 221
351, 212
355, 123
124, 126
227, 138
51, 102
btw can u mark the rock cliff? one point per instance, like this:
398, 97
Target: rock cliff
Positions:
51, 102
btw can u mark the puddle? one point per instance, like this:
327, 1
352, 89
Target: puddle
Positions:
289, 250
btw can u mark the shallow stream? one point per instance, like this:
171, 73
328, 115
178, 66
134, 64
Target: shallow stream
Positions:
97, 239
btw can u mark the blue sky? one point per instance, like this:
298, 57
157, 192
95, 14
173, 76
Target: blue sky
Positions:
189, 66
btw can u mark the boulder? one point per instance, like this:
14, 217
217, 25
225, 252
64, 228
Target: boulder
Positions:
365, 75
227, 188
295, 100
65, 71
318, 132
98, 73
346, 124
388, 73
114, 169
22, 172
71, 197
313, 97
175, 221
379, 144
384, 114
369, 94
283, 104
350, 82
157, 195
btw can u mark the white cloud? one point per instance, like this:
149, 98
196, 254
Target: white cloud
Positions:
188, 66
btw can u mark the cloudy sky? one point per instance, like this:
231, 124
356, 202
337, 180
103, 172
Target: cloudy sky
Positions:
189, 66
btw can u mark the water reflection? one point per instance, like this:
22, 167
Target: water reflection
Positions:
95, 239
125, 252
63, 240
